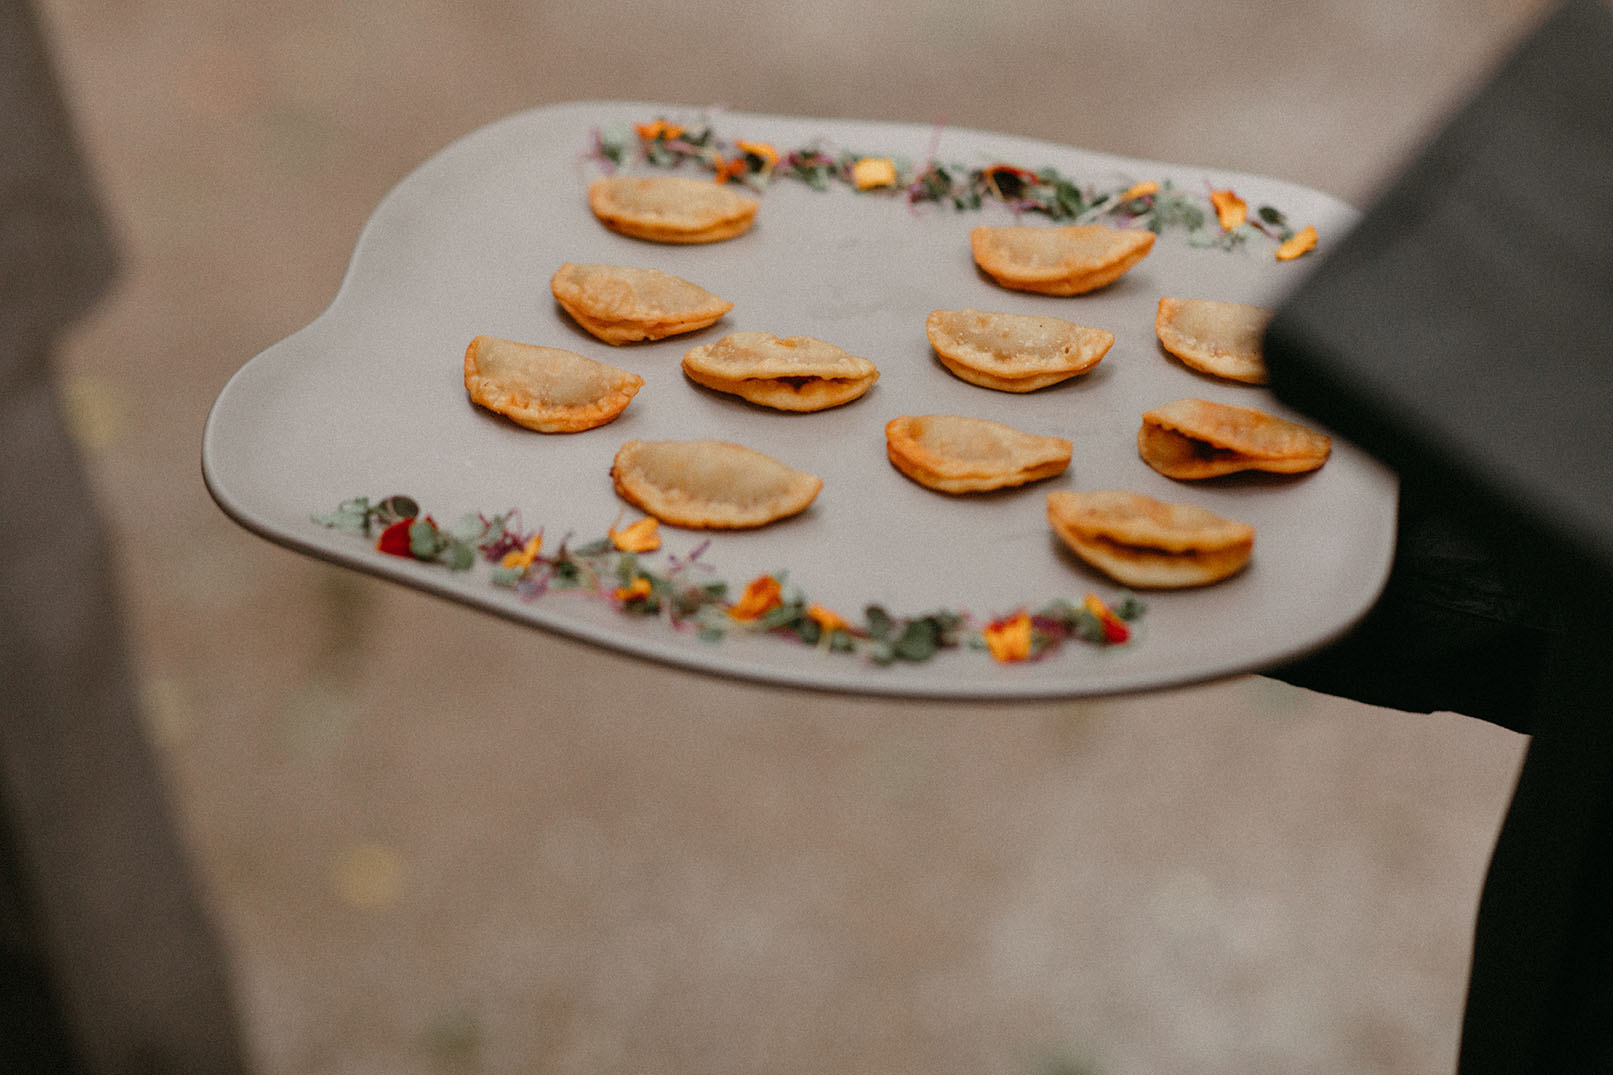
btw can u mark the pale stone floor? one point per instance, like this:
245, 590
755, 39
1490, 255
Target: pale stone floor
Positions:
439, 843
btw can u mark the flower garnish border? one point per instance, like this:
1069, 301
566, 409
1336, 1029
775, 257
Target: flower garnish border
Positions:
686, 593
1214, 218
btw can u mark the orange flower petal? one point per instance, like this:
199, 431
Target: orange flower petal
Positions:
1230, 209
640, 588
761, 596
642, 536
1009, 639
729, 169
1301, 242
659, 129
826, 620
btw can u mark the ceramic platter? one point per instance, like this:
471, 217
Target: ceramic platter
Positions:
369, 400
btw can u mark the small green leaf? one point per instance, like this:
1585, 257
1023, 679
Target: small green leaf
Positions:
424, 541
919, 640
399, 506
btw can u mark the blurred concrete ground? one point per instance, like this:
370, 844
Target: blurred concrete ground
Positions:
439, 843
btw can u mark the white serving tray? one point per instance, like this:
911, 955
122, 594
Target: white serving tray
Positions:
369, 400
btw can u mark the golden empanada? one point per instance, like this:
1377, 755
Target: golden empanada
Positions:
623, 304
790, 373
1195, 438
1014, 352
710, 484
545, 388
954, 454
1146, 543
1060, 260
671, 208
1218, 338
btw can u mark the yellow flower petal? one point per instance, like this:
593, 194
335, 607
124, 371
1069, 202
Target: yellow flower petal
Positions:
642, 536
1301, 242
761, 150
1230, 209
1140, 190
871, 172
762, 596
1010, 639
523, 556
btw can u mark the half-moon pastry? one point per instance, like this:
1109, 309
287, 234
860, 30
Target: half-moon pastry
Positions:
1146, 543
671, 208
955, 454
1222, 339
546, 388
1014, 352
624, 303
710, 484
1069, 259
1189, 439
788, 373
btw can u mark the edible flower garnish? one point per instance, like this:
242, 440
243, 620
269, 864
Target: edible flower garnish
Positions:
642, 536
394, 540
1114, 628
1222, 221
1009, 639
870, 172
760, 157
730, 168
611, 569
761, 596
1230, 209
521, 559
1007, 182
639, 589
1301, 242
660, 129
827, 621
1146, 189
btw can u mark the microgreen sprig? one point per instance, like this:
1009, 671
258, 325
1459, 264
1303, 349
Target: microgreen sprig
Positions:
685, 593
1157, 206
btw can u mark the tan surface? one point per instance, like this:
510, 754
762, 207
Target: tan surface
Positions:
444, 844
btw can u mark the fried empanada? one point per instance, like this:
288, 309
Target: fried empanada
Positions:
671, 208
710, 484
1014, 352
624, 304
546, 388
954, 454
1067, 259
789, 373
1146, 543
1219, 338
1194, 438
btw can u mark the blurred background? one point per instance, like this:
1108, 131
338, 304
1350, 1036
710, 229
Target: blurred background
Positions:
439, 843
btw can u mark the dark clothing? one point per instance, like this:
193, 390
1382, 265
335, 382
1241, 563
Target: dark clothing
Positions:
108, 963
1463, 333
1463, 625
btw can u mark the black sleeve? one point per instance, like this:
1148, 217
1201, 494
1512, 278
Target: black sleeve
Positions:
1462, 626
